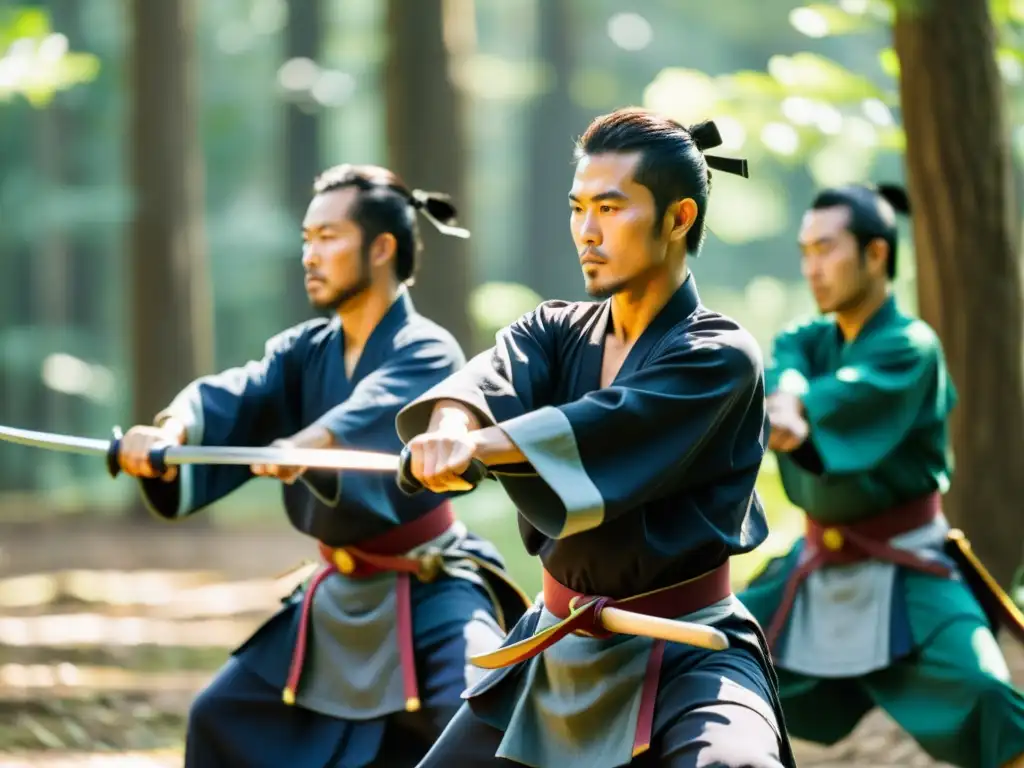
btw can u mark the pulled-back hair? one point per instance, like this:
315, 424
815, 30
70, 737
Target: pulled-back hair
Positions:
384, 205
873, 212
672, 163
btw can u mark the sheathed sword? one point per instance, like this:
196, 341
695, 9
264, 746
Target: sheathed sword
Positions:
343, 459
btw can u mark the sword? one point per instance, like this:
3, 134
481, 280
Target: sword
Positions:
166, 455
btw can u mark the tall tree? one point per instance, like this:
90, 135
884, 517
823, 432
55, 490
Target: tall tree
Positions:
53, 288
169, 296
427, 146
969, 267
302, 140
555, 121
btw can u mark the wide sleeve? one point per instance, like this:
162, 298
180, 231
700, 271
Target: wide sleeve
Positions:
789, 364
366, 421
672, 424
510, 379
251, 405
865, 409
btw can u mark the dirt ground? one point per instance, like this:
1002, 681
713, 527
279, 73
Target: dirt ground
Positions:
105, 636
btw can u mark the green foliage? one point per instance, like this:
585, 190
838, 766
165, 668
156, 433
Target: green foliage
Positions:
494, 305
811, 112
36, 62
1005, 12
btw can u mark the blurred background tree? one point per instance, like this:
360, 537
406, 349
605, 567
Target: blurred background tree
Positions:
169, 298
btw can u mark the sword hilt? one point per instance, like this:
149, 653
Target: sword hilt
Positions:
410, 486
157, 456
114, 453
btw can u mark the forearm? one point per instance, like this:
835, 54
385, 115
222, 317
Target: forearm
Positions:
495, 448
175, 429
315, 436
451, 414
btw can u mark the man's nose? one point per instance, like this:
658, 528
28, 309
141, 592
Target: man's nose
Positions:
309, 255
590, 232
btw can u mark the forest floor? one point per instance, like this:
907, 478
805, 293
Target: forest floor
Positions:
105, 638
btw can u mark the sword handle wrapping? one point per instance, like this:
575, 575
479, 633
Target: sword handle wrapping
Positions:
157, 456
410, 486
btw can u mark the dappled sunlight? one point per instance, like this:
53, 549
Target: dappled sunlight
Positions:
630, 31
135, 759
35, 62
495, 78
70, 630
70, 375
57, 680
113, 587
763, 201
780, 138
494, 305
818, 20
24, 591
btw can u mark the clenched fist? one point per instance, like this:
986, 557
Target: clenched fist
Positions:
439, 457
139, 441
789, 428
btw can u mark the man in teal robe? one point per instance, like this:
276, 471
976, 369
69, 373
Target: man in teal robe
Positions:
872, 606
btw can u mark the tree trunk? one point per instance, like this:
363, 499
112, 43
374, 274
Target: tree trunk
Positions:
555, 122
427, 147
170, 316
969, 271
302, 144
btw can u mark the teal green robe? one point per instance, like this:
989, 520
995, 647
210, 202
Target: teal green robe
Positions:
877, 407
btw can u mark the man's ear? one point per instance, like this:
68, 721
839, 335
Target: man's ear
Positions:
383, 249
876, 256
679, 218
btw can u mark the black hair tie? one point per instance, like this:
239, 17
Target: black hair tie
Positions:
706, 136
438, 208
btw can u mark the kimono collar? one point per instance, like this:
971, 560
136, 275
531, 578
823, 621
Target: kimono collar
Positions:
884, 316
681, 305
398, 315
399, 312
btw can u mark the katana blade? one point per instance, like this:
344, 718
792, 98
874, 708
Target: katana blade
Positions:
311, 458
67, 443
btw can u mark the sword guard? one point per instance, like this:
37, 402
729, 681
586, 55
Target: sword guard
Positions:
114, 453
410, 486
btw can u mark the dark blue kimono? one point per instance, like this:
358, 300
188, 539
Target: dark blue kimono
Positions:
343, 711
629, 488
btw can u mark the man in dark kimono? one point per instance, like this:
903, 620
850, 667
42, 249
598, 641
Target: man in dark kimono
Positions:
628, 432
365, 662
880, 603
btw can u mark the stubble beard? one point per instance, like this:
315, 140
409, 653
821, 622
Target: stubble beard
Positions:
602, 292
351, 292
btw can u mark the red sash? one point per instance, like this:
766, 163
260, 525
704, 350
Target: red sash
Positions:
581, 614
384, 553
856, 542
